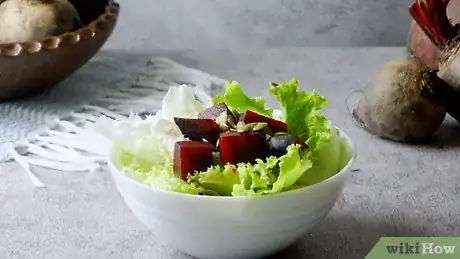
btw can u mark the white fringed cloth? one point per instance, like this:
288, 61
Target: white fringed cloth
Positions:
53, 130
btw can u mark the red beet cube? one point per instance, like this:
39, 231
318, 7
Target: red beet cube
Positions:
199, 129
242, 147
191, 156
274, 125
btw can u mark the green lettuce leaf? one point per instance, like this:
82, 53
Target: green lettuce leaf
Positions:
152, 139
257, 179
219, 179
302, 112
326, 160
274, 175
159, 176
305, 119
292, 167
236, 99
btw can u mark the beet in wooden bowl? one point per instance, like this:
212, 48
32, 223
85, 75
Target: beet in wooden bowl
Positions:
27, 68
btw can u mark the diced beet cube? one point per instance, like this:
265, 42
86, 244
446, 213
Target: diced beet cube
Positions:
199, 129
215, 111
278, 143
242, 147
273, 125
191, 156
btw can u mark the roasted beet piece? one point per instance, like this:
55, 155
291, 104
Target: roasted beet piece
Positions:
242, 147
191, 156
215, 111
273, 125
278, 143
199, 129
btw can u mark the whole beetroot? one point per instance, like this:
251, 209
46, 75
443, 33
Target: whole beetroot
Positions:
404, 102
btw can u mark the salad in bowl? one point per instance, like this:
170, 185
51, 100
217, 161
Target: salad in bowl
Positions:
231, 178
236, 146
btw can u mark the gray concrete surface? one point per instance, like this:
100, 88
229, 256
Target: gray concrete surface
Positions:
396, 190
190, 24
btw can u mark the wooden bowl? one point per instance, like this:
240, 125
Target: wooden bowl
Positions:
31, 67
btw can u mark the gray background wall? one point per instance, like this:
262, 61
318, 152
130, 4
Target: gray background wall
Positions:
170, 24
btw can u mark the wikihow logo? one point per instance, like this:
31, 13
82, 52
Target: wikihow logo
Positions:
415, 247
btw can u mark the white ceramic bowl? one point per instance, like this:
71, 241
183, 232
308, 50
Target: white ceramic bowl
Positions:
230, 227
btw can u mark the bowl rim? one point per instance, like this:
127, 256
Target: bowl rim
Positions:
345, 170
107, 19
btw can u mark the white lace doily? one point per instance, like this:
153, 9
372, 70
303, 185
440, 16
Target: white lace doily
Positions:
52, 129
